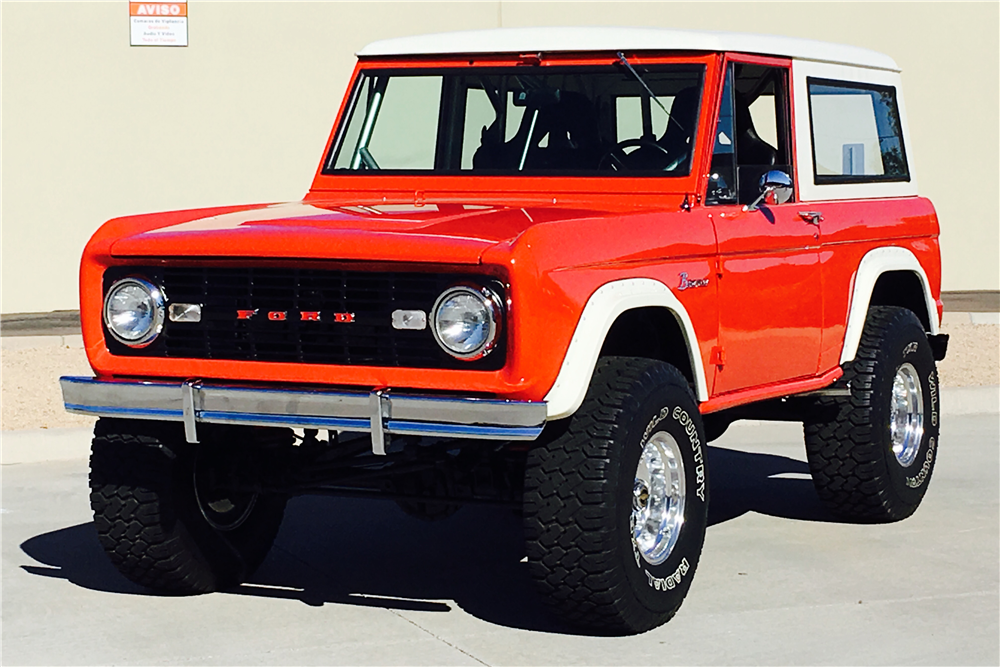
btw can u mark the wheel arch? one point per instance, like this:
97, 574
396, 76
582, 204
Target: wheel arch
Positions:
630, 336
619, 304
888, 276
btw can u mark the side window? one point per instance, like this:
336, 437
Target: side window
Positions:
855, 133
752, 135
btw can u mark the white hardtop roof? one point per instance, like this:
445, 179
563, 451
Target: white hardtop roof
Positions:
561, 40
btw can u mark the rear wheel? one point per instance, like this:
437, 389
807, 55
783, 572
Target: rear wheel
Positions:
164, 511
616, 506
872, 454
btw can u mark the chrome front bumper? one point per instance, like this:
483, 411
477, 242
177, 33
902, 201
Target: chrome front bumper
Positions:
380, 413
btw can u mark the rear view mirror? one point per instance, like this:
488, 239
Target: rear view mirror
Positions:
537, 98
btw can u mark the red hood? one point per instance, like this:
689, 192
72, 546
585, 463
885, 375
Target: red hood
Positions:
449, 233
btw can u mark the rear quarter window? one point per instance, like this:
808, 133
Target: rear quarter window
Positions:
856, 133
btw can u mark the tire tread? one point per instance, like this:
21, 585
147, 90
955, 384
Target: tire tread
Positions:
570, 544
847, 468
129, 476
147, 518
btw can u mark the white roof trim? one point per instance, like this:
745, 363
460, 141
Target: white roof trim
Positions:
555, 40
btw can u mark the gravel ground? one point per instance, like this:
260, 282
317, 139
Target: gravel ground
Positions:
31, 397
973, 356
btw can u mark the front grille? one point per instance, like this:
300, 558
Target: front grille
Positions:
370, 340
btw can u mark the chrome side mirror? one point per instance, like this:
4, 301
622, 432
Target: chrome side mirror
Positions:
776, 183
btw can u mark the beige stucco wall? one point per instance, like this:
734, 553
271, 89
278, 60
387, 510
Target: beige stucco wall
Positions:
93, 128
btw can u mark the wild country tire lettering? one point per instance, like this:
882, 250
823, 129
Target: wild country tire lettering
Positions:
932, 384
691, 430
925, 469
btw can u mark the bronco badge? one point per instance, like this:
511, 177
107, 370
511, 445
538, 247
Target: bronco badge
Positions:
688, 284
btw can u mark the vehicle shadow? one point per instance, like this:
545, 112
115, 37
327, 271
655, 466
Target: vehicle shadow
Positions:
741, 482
369, 553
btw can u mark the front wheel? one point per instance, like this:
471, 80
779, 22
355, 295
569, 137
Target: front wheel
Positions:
872, 454
165, 511
616, 507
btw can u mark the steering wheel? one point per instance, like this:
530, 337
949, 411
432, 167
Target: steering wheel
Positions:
615, 158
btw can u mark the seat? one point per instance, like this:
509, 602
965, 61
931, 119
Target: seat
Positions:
493, 151
754, 155
750, 148
573, 138
677, 137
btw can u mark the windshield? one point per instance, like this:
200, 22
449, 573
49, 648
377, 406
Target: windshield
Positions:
597, 120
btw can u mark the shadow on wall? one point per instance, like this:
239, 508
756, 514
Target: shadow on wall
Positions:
368, 553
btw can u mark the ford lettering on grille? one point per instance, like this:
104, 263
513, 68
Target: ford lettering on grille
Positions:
304, 316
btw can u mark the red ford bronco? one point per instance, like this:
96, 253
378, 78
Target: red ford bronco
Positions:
540, 268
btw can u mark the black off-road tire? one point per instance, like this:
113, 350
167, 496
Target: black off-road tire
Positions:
848, 443
578, 501
149, 519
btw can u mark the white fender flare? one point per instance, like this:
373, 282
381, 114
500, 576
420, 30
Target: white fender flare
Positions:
602, 309
874, 264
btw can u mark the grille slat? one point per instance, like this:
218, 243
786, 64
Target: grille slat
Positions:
369, 340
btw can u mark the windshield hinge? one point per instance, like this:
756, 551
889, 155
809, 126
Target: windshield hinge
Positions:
686, 204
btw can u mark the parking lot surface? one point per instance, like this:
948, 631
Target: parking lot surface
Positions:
359, 582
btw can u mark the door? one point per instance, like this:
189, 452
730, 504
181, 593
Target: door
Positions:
770, 291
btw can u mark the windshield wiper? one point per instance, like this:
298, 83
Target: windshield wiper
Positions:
652, 95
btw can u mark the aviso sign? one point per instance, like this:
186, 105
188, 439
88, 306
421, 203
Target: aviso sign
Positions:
158, 23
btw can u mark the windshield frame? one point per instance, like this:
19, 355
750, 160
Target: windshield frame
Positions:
327, 179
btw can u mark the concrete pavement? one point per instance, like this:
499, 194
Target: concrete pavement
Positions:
359, 582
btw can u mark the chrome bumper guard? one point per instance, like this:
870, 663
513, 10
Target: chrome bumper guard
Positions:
380, 412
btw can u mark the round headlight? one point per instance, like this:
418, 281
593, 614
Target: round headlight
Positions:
467, 321
134, 311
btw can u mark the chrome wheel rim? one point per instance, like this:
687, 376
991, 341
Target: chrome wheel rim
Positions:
906, 423
658, 496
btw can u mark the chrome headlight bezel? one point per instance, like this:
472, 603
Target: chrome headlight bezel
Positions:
492, 305
159, 311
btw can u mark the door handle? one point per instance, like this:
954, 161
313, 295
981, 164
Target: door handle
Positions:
812, 217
